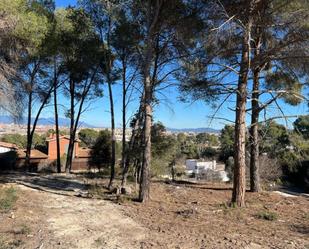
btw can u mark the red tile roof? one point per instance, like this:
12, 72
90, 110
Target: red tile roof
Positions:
8, 145
53, 137
35, 154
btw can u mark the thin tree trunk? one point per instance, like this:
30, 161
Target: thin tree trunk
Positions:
111, 101
57, 130
152, 19
239, 186
254, 140
144, 183
131, 145
74, 129
68, 164
31, 134
70, 153
74, 122
123, 159
29, 140
113, 159
254, 133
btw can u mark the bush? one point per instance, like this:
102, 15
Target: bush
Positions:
101, 153
270, 169
298, 175
8, 197
209, 153
266, 215
46, 166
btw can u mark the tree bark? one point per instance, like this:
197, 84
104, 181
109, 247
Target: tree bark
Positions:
254, 130
29, 139
113, 159
145, 181
239, 186
31, 131
74, 122
131, 145
254, 138
57, 130
124, 92
68, 164
152, 19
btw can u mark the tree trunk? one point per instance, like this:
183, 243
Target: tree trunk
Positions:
113, 159
239, 186
29, 140
57, 131
74, 122
68, 164
70, 153
254, 130
254, 149
31, 131
144, 184
152, 19
131, 145
123, 158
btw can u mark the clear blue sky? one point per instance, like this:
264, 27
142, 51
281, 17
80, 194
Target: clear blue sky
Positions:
64, 3
173, 114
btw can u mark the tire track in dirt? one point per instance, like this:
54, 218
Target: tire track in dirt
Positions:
82, 223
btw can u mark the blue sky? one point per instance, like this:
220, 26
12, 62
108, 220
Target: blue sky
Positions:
174, 114
64, 3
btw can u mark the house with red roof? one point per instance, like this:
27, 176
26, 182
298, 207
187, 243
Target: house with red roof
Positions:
10, 154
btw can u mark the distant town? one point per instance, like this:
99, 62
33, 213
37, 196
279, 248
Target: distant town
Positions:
8, 126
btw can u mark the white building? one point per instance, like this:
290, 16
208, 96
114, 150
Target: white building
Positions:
196, 167
209, 170
6, 147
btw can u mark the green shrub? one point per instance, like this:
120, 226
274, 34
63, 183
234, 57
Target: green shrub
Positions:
8, 198
266, 215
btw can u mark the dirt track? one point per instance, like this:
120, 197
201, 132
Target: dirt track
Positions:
60, 221
180, 216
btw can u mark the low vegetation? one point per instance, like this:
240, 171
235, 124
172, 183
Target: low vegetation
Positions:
266, 215
8, 198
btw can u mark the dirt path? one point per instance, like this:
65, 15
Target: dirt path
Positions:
72, 222
50, 213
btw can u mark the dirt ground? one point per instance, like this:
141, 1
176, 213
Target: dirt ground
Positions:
77, 212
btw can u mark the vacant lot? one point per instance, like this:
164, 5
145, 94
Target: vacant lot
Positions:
77, 212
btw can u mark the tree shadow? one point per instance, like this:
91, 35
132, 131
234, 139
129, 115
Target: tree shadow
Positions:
50, 183
198, 185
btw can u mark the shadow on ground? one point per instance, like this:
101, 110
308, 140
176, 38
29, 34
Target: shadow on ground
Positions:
199, 185
45, 182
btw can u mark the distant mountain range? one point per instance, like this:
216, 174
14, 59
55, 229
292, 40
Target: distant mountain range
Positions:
5, 119
195, 130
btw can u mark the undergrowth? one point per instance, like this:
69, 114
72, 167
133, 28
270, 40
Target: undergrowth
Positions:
8, 198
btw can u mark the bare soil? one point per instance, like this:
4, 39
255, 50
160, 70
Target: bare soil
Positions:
78, 212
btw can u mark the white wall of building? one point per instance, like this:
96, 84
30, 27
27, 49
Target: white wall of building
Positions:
194, 166
4, 149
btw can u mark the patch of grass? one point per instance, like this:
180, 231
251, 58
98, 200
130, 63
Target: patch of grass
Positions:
131, 178
123, 199
97, 190
99, 242
10, 244
266, 215
223, 205
24, 229
8, 197
233, 205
